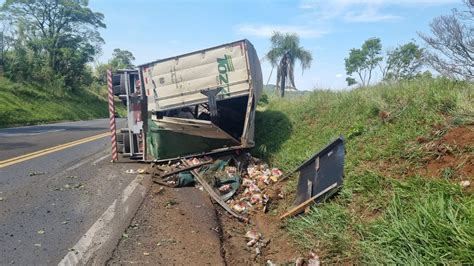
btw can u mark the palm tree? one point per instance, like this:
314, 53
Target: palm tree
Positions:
283, 54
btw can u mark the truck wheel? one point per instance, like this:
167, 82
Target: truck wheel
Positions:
126, 142
119, 137
120, 147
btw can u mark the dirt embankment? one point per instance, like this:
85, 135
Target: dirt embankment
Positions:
446, 152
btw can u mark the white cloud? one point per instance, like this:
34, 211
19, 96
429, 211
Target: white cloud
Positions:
361, 10
268, 30
339, 75
317, 12
369, 15
306, 6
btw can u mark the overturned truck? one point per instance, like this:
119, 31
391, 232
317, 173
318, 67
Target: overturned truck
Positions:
193, 104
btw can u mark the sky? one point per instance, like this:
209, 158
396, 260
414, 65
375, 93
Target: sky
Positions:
154, 29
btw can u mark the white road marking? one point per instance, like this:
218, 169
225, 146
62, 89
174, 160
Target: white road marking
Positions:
88, 159
30, 134
100, 159
78, 164
97, 244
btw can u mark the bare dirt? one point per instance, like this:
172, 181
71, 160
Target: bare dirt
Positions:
172, 227
463, 137
278, 248
181, 226
451, 156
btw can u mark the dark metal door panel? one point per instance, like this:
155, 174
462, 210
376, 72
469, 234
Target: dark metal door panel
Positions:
321, 171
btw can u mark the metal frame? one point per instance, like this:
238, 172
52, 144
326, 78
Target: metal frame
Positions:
134, 150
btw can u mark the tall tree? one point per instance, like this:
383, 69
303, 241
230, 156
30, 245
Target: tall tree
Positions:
404, 62
285, 51
452, 43
363, 61
64, 33
122, 59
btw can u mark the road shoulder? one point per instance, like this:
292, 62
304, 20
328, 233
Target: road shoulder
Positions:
172, 227
98, 243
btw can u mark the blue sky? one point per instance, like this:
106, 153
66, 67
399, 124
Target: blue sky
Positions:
153, 29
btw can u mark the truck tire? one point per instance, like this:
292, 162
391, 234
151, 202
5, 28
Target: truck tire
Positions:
126, 142
120, 147
119, 137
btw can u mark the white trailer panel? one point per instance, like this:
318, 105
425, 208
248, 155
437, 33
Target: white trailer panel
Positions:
176, 81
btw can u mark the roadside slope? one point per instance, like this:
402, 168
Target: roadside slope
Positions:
409, 146
27, 104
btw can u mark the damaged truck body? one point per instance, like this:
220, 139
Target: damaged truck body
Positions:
192, 104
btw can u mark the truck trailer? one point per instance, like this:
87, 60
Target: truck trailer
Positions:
192, 104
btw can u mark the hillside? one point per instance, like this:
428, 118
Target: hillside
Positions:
26, 104
270, 90
409, 147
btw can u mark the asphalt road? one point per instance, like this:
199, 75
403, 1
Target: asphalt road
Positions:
48, 202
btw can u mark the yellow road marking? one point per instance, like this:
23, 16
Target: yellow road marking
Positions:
35, 154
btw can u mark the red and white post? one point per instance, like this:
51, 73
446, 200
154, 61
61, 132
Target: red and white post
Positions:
113, 128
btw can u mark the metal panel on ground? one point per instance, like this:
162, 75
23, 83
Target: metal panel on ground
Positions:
322, 170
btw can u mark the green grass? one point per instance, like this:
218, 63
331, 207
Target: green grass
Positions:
424, 222
26, 104
384, 213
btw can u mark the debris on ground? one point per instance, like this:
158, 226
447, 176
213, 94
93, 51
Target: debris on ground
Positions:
319, 177
213, 193
313, 260
78, 186
138, 171
36, 173
239, 183
256, 240
256, 177
177, 174
245, 187
465, 183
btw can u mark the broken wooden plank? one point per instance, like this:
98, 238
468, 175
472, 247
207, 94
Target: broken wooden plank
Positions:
187, 168
214, 195
300, 208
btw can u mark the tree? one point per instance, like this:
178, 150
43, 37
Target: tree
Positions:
404, 62
285, 51
122, 59
363, 61
351, 81
100, 72
452, 43
61, 34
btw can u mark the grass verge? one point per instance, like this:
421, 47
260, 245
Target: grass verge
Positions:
27, 104
386, 212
